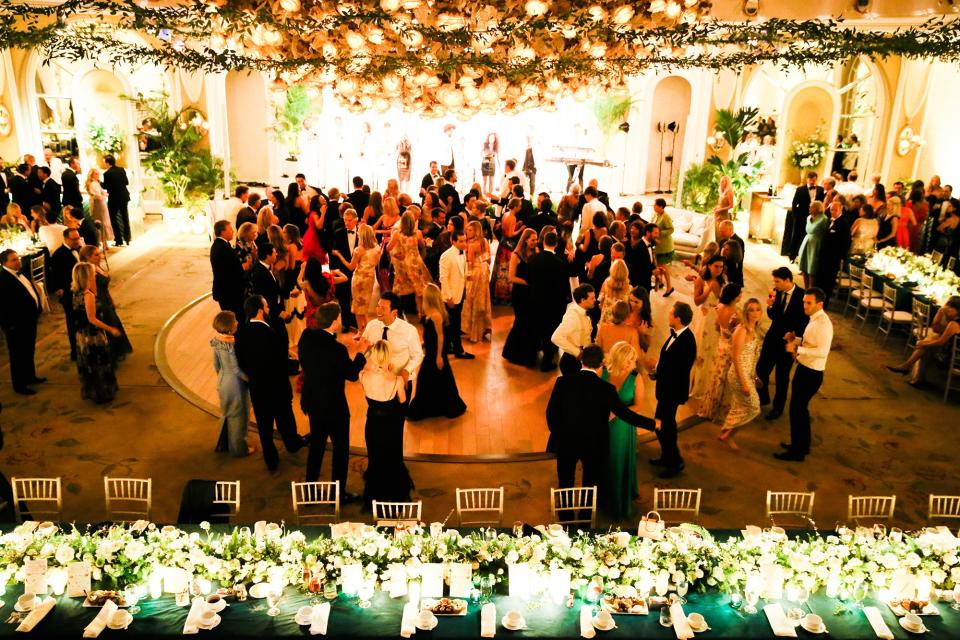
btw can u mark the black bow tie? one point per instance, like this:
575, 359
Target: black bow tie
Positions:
461, 252
351, 232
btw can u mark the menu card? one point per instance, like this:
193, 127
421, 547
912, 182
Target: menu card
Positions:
35, 576
351, 577
78, 579
431, 580
519, 579
461, 579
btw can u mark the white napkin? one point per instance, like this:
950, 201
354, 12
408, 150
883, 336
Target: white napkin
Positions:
321, 614
408, 620
876, 621
586, 622
488, 620
778, 621
36, 615
680, 624
97, 625
192, 624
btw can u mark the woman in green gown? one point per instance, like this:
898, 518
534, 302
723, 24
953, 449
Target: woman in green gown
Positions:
620, 369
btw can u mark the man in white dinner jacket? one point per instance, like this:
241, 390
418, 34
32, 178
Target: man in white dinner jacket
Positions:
453, 278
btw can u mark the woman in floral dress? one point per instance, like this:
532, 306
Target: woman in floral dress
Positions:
477, 312
706, 295
714, 401
364, 265
741, 378
410, 273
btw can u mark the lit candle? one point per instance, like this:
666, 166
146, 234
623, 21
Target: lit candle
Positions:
413, 588
57, 579
833, 585
923, 588
156, 583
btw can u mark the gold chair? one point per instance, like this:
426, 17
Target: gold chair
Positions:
228, 493
128, 498
397, 514
796, 504
574, 501
682, 502
34, 497
943, 507
480, 501
871, 508
316, 501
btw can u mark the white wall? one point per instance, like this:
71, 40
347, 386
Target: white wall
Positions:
248, 111
941, 154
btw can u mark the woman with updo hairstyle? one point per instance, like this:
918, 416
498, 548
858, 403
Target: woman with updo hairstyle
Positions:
231, 387
620, 370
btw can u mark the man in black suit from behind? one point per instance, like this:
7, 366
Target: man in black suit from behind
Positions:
71, 184
264, 282
20, 191
249, 212
578, 416
833, 249
262, 355
341, 255
118, 197
785, 310
642, 258
795, 227
449, 195
73, 217
358, 197
229, 278
49, 194
549, 294
327, 366
19, 313
677, 356
61, 276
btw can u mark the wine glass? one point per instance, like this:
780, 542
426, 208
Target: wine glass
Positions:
803, 595
365, 593
273, 599
666, 617
859, 593
752, 596
132, 595
956, 597
795, 613
682, 587
330, 590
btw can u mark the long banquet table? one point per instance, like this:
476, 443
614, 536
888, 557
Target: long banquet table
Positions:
162, 618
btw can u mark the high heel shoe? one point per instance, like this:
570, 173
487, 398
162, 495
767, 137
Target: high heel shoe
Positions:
898, 370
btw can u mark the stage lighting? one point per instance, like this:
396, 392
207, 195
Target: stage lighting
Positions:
751, 7
861, 5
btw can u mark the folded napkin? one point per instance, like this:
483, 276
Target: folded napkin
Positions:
488, 620
321, 614
36, 615
97, 625
586, 622
778, 621
680, 624
876, 621
408, 620
192, 625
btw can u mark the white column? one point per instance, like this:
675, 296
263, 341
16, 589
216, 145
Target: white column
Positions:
216, 91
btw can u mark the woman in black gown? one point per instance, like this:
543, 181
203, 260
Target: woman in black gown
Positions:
386, 478
521, 345
98, 381
119, 344
437, 393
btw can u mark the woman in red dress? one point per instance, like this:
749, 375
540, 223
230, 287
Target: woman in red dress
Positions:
315, 227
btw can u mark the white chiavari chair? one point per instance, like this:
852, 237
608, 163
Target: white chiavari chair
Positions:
227, 492
569, 506
128, 498
794, 505
953, 369
683, 503
943, 507
397, 514
890, 317
919, 323
871, 508
477, 503
316, 501
870, 302
856, 288
34, 497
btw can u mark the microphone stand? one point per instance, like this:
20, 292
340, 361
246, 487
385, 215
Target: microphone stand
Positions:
674, 128
660, 128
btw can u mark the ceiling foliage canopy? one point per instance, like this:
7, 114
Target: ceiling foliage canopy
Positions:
449, 56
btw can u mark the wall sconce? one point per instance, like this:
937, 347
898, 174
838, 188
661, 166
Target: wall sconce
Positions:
908, 141
716, 141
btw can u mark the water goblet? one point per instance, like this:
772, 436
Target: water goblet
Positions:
752, 596
803, 595
330, 590
666, 617
132, 595
859, 593
364, 594
273, 600
682, 587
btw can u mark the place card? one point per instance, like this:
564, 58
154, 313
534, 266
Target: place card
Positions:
461, 579
35, 576
78, 579
772, 575
431, 580
395, 580
351, 577
519, 580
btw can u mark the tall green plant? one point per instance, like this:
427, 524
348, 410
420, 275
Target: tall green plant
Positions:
700, 187
733, 125
290, 114
611, 111
187, 171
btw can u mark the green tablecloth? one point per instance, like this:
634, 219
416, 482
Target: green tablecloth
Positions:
905, 295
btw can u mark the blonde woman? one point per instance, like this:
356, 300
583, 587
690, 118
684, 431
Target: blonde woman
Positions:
725, 202
437, 393
386, 477
14, 218
620, 370
392, 190
742, 377
231, 387
615, 329
95, 362
410, 273
616, 288
98, 203
477, 310
366, 257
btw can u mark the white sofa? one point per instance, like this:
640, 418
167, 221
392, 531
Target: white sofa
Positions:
692, 231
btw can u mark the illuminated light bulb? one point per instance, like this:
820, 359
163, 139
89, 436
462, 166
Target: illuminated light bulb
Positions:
451, 22
355, 40
598, 50
411, 5
623, 14
329, 51
347, 86
597, 13
412, 38
688, 17
218, 42
290, 5
536, 8
392, 83
390, 5
272, 37
375, 35
346, 8
689, 3
672, 10
657, 6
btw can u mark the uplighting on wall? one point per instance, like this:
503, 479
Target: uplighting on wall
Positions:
908, 141
751, 7
861, 5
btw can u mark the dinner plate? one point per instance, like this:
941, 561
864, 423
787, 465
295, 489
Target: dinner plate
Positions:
17, 607
212, 625
259, 590
922, 629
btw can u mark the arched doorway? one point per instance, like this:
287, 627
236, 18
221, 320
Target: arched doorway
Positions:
250, 133
811, 109
668, 123
862, 96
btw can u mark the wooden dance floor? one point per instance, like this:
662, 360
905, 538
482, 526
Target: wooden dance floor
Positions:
505, 402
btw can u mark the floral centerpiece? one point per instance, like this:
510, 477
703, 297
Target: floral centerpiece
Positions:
16, 238
925, 276
808, 153
105, 138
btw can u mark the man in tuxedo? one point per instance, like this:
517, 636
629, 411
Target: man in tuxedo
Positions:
71, 184
795, 227
358, 197
73, 217
578, 416
341, 255
262, 356
33, 179
833, 249
20, 191
574, 332
264, 283
60, 278
449, 195
549, 293
118, 197
229, 278
785, 310
248, 213
326, 368
545, 215
18, 319
643, 258
677, 356
453, 278
49, 194
429, 179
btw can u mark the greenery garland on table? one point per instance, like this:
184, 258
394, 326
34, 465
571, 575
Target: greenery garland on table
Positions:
129, 554
440, 58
